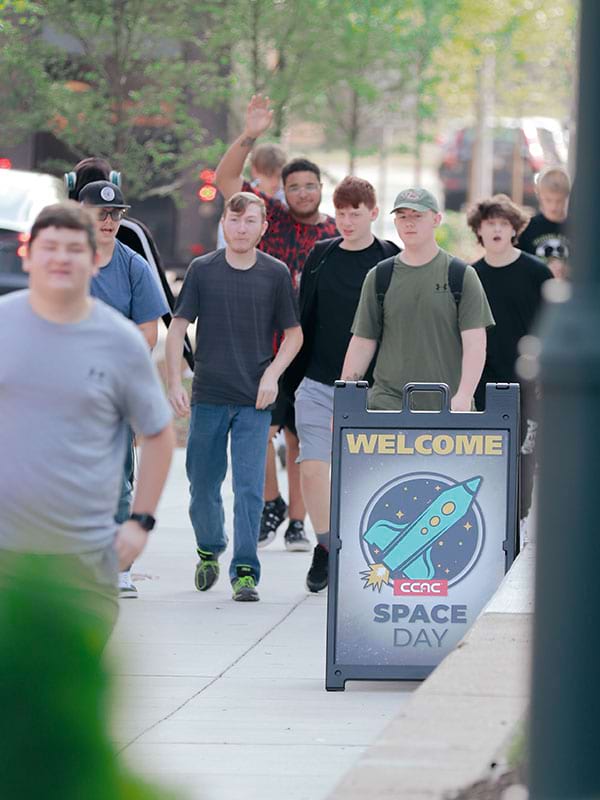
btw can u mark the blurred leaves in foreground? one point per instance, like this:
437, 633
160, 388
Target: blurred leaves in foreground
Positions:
54, 689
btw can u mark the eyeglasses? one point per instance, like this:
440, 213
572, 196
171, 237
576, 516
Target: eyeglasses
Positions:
114, 213
309, 187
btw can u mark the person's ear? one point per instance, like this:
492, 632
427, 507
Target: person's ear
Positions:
374, 213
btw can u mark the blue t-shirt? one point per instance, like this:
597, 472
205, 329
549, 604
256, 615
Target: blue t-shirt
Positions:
127, 284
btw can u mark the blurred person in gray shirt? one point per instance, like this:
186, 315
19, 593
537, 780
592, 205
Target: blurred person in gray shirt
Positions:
74, 373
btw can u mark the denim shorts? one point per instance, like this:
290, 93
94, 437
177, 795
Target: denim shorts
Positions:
314, 413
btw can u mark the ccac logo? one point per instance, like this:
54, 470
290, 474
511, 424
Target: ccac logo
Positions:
421, 533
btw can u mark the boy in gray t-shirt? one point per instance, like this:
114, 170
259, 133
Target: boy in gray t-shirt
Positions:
73, 373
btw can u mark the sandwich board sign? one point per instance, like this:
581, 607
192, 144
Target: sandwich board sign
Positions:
423, 528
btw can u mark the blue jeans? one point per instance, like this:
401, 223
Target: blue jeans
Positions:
206, 467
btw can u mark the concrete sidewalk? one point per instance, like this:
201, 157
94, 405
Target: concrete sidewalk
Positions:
221, 699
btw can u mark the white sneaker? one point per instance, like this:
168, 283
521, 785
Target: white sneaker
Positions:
126, 588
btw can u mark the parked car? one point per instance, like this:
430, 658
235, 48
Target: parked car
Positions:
540, 141
22, 197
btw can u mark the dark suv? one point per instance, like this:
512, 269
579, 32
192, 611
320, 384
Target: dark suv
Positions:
22, 197
539, 140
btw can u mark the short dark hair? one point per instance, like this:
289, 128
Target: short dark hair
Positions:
69, 215
87, 171
500, 206
240, 201
353, 191
300, 165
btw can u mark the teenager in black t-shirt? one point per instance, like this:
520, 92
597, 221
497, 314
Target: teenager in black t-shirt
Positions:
545, 236
513, 282
329, 293
240, 297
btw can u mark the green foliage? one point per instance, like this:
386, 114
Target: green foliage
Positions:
533, 42
134, 79
123, 80
53, 689
455, 236
518, 749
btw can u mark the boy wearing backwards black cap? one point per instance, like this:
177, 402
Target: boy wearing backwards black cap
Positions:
125, 282
432, 331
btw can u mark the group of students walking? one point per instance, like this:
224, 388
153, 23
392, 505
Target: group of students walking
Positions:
366, 309
293, 301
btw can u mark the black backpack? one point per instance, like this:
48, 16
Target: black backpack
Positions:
383, 277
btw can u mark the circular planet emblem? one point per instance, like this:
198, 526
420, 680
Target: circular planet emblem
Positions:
422, 526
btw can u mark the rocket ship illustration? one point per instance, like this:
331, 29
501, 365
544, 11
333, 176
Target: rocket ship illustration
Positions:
407, 548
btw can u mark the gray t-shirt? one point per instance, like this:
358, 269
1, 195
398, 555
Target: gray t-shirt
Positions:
67, 392
238, 313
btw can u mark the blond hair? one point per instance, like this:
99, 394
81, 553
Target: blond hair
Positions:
554, 179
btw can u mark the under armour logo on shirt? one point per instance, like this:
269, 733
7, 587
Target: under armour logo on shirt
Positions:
95, 374
441, 287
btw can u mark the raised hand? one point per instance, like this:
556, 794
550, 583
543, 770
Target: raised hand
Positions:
259, 116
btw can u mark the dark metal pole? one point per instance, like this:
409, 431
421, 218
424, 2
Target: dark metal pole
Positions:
565, 706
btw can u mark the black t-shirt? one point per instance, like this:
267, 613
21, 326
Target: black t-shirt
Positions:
545, 239
338, 293
514, 295
238, 312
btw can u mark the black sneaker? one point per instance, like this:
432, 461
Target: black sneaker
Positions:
244, 586
316, 578
273, 514
207, 571
295, 538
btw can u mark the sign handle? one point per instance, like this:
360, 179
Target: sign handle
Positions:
441, 388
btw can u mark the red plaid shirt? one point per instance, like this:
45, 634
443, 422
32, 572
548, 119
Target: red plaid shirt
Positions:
288, 240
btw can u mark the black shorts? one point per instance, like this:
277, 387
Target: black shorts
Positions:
283, 415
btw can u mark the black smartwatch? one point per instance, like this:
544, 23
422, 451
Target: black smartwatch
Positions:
145, 521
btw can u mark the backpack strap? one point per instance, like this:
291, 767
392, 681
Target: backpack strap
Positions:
383, 277
456, 277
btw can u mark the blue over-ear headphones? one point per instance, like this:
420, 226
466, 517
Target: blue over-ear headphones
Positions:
71, 179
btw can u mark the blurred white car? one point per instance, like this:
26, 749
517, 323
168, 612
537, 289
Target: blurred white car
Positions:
22, 197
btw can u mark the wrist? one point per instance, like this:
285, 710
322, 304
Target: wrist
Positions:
145, 521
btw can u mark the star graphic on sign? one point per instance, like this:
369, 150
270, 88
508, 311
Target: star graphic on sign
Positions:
467, 526
447, 571
399, 514
441, 543
438, 488
414, 498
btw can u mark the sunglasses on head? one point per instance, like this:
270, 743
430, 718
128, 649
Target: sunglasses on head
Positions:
114, 213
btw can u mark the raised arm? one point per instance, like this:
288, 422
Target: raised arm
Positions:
229, 172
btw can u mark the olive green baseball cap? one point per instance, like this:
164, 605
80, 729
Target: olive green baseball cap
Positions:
417, 200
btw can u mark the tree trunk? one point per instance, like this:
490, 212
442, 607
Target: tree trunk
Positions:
353, 131
482, 163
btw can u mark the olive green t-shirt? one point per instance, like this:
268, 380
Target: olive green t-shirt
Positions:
420, 331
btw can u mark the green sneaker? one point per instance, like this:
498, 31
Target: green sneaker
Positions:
207, 571
244, 586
